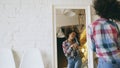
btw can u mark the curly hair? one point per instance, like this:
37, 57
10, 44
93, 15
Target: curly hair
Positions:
69, 31
109, 9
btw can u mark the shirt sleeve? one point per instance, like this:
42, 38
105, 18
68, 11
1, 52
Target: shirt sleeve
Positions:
91, 40
66, 49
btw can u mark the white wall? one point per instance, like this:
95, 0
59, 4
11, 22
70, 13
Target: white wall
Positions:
27, 24
73, 2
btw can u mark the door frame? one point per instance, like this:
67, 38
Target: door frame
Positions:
88, 21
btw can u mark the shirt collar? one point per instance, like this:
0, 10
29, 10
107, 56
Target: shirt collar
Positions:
102, 19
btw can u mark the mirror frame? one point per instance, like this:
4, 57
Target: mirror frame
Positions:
88, 21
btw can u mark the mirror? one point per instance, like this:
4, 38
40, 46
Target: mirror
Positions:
75, 20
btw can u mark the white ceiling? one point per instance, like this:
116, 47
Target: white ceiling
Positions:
77, 11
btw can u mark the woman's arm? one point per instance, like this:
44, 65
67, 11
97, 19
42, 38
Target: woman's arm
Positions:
91, 41
67, 49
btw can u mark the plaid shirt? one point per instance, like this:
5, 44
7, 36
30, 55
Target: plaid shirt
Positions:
68, 51
103, 39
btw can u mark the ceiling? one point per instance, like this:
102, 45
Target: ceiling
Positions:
76, 11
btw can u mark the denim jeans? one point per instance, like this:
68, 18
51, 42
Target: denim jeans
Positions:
103, 64
74, 62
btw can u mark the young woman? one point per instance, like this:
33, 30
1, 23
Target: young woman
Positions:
104, 33
71, 51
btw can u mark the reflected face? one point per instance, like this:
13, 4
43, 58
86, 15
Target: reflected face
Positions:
72, 35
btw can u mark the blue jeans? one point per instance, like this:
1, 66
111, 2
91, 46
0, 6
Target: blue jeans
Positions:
74, 62
103, 64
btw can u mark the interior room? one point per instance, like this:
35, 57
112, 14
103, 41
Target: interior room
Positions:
28, 36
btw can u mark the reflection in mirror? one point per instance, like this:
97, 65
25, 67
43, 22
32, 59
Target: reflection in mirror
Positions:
71, 38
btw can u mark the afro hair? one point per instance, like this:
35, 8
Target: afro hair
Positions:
109, 9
